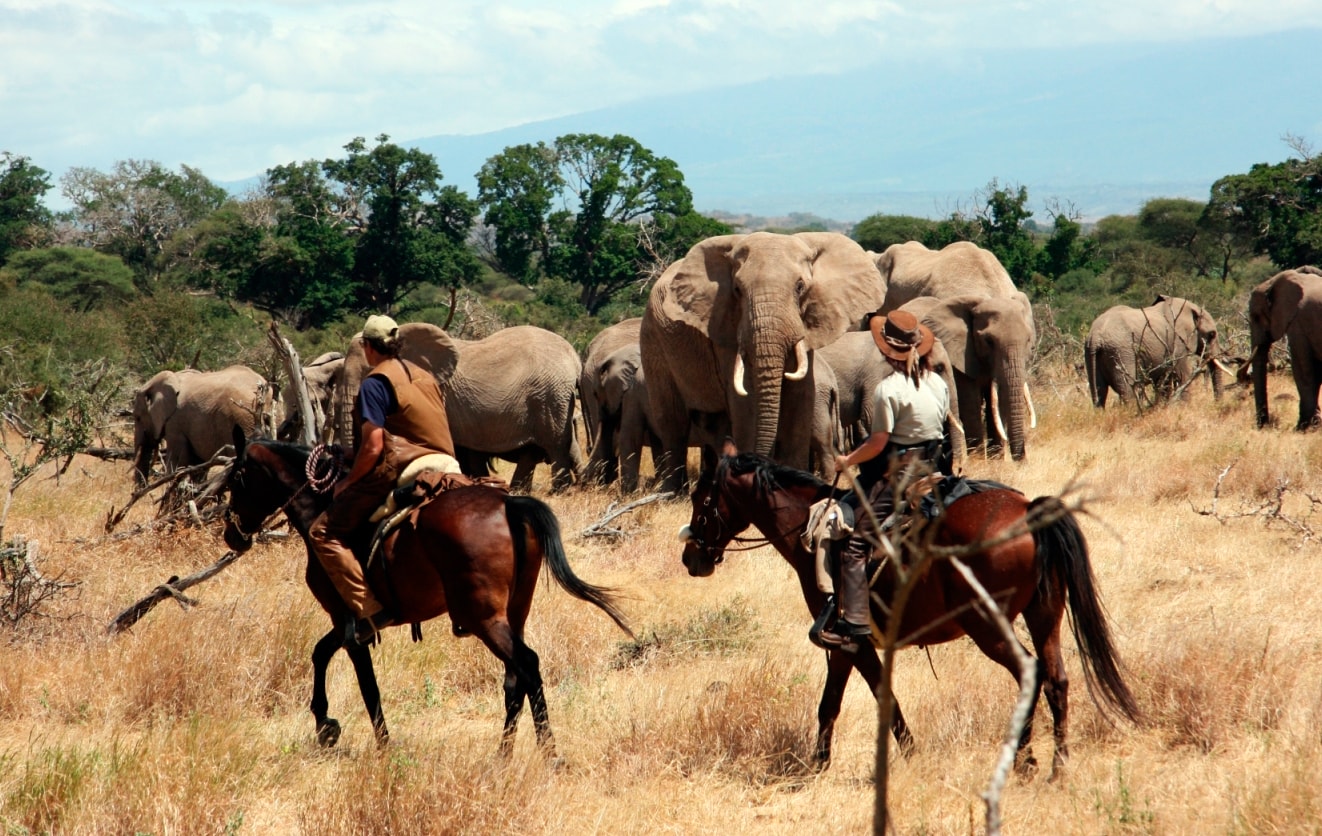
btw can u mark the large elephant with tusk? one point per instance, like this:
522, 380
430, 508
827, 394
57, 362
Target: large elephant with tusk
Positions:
990, 341
730, 329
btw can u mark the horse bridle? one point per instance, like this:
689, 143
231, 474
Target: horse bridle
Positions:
746, 543
232, 518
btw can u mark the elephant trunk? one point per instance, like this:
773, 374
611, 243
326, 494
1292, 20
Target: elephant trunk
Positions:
767, 353
769, 367
1258, 362
145, 446
1216, 369
1015, 403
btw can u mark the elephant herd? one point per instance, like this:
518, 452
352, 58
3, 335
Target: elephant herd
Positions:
761, 337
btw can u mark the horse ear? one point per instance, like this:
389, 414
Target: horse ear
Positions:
240, 441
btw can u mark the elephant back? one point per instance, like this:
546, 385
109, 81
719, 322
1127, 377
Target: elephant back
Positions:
513, 388
911, 270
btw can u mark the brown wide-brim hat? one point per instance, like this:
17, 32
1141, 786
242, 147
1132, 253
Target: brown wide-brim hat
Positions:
899, 334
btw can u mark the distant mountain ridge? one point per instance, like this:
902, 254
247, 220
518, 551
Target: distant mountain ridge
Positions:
1102, 128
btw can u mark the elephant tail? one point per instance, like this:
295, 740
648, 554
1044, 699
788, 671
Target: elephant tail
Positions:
529, 515
1062, 553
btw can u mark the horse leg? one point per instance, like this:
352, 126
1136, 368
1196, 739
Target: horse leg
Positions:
362, 666
990, 641
869, 665
838, 668
523, 679
1044, 626
530, 667
328, 728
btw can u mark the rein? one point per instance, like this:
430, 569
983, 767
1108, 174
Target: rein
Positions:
233, 519
750, 543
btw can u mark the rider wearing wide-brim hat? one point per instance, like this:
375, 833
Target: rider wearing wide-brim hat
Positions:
909, 409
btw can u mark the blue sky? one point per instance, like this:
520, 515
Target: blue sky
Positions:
236, 87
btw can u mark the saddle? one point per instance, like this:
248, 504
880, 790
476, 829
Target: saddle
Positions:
830, 522
418, 485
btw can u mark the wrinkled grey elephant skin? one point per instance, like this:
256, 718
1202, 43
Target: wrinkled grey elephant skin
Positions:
1163, 346
511, 395
1288, 306
193, 413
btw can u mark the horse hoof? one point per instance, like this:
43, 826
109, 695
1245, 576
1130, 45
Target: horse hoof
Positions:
1026, 768
328, 734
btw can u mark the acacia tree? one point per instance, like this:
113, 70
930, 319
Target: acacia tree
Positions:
23, 218
1275, 209
589, 209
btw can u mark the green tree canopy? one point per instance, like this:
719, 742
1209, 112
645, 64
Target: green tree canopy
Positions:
23, 217
877, 232
81, 278
406, 229
593, 210
1277, 209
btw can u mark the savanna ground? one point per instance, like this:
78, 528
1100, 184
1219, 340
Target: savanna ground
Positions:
197, 722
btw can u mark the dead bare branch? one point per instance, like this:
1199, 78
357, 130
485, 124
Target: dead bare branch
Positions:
600, 528
172, 588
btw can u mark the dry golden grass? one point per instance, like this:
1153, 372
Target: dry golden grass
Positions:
197, 721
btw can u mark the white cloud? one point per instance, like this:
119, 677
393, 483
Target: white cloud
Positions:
223, 84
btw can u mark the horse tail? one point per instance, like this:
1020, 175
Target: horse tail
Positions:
526, 512
1062, 550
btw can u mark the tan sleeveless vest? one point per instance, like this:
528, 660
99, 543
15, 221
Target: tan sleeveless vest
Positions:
420, 415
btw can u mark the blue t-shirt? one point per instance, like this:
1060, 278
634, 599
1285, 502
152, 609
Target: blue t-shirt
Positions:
376, 399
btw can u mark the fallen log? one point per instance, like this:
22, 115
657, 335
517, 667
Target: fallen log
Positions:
172, 588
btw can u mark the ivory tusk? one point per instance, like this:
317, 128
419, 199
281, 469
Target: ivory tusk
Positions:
801, 357
1222, 366
996, 420
739, 376
1032, 413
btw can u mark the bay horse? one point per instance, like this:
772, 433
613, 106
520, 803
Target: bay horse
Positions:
1029, 574
475, 552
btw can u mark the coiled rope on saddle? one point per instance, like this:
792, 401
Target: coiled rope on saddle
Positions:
325, 464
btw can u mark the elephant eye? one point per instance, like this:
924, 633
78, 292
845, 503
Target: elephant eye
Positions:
800, 288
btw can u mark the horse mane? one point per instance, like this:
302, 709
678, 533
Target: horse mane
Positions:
296, 455
769, 475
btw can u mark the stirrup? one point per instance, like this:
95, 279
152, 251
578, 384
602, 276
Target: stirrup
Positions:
823, 618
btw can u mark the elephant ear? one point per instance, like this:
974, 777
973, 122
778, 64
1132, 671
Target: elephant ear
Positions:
698, 290
845, 285
431, 348
951, 320
1274, 303
162, 400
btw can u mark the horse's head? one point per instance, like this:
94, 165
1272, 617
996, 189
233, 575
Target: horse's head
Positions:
715, 521
256, 491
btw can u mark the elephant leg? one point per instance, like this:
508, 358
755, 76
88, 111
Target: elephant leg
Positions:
1306, 367
529, 458
795, 435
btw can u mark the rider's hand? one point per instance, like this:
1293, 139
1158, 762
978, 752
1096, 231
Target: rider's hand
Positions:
842, 462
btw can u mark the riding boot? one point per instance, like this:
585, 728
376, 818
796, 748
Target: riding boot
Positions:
855, 620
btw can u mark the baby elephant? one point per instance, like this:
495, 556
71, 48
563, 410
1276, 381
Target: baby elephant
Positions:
1163, 345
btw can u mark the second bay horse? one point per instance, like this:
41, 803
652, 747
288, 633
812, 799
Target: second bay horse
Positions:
1031, 574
